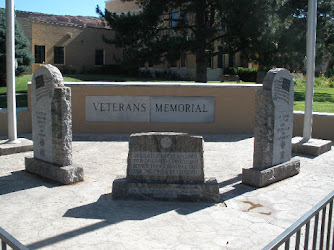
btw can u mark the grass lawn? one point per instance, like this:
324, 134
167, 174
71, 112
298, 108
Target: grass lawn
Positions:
323, 97
323, 100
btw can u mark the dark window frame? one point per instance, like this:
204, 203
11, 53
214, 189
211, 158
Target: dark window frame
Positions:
220, 61
209, 64
39, 53
231, 60
174, 16
183, 60
99, 57
59, 58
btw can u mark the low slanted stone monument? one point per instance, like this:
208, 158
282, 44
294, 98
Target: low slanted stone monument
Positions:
166, 166
52, 128
273, 131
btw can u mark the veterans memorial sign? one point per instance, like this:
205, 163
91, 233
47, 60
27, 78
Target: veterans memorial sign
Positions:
150, 109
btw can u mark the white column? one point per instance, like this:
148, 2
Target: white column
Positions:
10, 67
310, 67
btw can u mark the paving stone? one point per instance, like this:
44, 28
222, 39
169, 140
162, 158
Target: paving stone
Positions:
21, 145
313, 146
83, 215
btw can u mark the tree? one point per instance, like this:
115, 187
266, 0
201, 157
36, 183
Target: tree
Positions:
271, 32
280, 40
167, 29
250, 27
22, 52
325, 33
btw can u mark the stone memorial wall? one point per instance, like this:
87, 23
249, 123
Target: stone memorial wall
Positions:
166, 158
167, 166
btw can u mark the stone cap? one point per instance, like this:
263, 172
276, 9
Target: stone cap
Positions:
270, 76
47, 75
177, 142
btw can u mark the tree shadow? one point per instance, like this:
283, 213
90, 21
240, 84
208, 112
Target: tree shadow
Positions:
237, 188
225, 137
22, 180
318, 97
126, 137
101, 137
115, 211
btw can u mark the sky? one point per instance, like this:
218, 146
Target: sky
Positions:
58, 7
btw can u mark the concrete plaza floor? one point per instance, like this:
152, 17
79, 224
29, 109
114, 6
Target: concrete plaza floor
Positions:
44, 215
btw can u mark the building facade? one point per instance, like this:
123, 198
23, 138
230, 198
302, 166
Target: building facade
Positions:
117, 6
71, 47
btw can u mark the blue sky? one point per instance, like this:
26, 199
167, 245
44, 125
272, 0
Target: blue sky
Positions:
58, 7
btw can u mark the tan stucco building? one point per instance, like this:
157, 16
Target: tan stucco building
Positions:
72, 47
118, 6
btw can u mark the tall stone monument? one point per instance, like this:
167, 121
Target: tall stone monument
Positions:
166, 166
52, 128
273, 131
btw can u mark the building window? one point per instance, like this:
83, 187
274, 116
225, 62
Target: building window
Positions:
184, 17
173, 18
231, 60
209, 65
99, 57
59, 55
183, 60
220, 61
39, 54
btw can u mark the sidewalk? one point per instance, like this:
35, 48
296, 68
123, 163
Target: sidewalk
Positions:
44, 215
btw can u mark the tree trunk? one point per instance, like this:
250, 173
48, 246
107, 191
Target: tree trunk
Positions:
201, 66
261, 73
201, 40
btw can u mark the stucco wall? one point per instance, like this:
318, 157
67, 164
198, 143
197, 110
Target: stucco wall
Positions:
234, 107
24, 18
80, 44
23, 121
323, 125
118, 6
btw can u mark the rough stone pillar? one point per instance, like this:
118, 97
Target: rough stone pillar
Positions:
273, 131
52, 127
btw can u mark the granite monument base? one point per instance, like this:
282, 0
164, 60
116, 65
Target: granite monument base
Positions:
22, 145
263, 177
65, 175
312, 147
195, 191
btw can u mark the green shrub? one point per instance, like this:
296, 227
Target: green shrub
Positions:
165, 75
320, 82
245, 74
299, 82
231, 71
